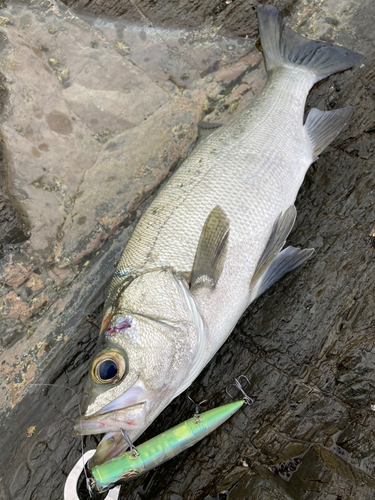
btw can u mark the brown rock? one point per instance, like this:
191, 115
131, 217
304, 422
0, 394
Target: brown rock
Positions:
59, 122
35, 282
39, 301
14, 307
229, 74
125, 174
16, 275
237, 93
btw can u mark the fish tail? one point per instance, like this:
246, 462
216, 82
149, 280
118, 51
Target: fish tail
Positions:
283, 47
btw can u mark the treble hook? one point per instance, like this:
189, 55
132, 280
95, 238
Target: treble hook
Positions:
133, 453
246, 399
197, 415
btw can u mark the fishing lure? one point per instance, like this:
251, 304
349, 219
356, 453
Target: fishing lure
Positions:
162, 447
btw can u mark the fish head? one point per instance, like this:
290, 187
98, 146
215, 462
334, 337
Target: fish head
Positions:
147, 348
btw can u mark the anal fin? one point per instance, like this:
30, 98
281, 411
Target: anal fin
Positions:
323, 126
211, 250
280, 230
286, 261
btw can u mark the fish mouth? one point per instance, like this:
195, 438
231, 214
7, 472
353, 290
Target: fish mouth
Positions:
130, 418
127, 412
131, 412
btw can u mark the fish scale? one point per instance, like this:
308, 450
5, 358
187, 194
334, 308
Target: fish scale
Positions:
210, 242
207, 179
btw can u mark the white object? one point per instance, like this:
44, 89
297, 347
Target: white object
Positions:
70, 489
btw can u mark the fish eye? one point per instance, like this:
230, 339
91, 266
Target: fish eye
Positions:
108, 367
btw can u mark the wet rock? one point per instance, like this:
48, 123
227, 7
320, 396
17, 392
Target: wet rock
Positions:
261, 484
13, 228
56, 157
102, 209
235, 17
323, 472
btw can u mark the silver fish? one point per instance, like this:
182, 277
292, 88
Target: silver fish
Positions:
210, 242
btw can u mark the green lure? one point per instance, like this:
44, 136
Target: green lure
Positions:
163, 447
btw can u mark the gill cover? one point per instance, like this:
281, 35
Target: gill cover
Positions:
149, 344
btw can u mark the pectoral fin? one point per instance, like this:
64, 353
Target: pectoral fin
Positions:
211, 251
286, 261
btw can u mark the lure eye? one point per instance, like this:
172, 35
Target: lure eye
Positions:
108, 367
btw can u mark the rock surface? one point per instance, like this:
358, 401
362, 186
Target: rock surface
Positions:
79, 95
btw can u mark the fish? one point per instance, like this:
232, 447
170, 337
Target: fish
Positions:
210, 243
161, 448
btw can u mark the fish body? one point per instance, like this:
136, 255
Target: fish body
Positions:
162, 447
210, 242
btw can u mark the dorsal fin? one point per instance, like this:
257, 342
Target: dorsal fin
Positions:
205, 129
212, 247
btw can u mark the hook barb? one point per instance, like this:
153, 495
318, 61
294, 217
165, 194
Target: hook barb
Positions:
237, 384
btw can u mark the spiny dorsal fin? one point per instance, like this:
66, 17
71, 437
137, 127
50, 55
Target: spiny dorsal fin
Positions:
212, 248
280, 230
323, 126
205, 129
286, 261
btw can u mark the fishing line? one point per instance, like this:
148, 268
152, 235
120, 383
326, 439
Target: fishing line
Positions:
80, 413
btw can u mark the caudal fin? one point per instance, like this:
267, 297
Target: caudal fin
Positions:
283, 47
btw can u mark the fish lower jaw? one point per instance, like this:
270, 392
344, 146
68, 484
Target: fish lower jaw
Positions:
112, 421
